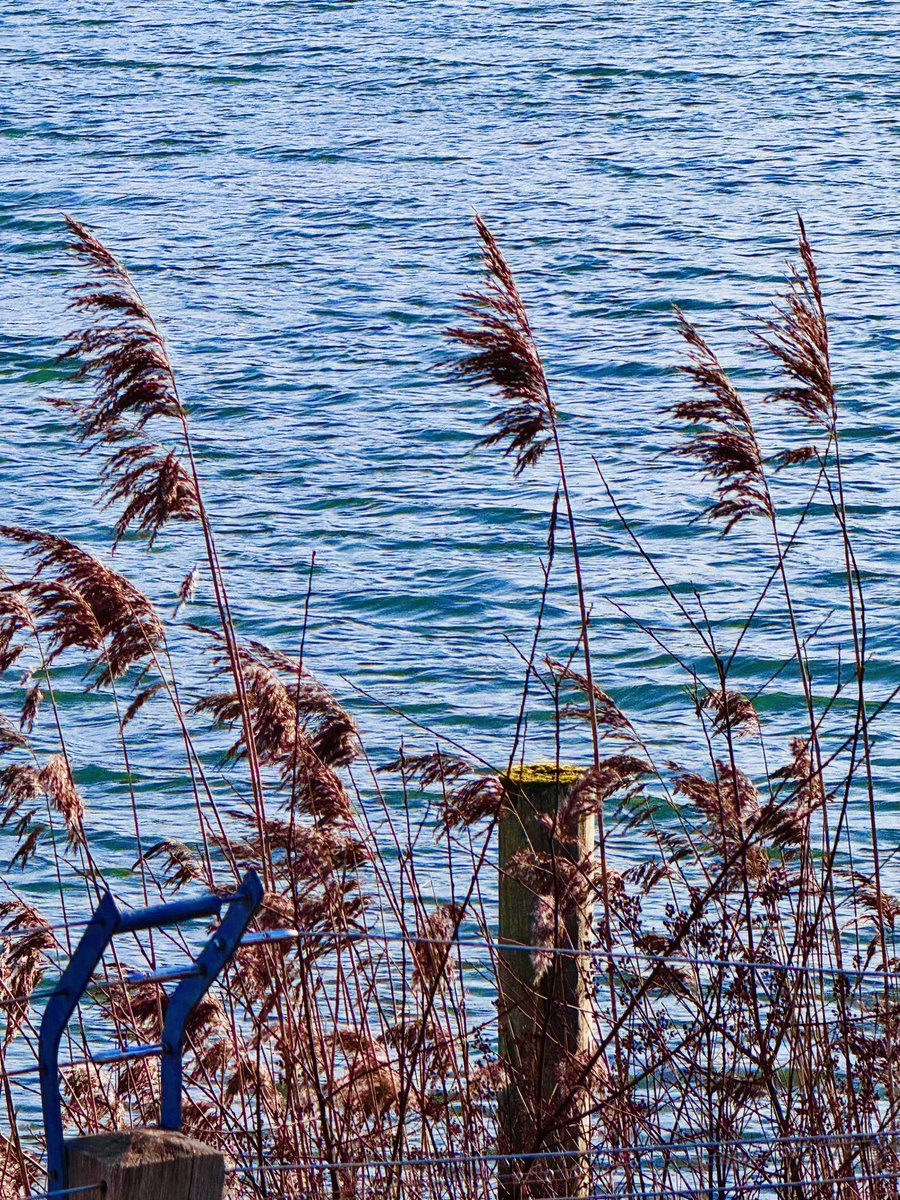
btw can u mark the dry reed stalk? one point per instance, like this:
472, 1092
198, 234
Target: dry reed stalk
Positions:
123, 351
724, 960
503, 356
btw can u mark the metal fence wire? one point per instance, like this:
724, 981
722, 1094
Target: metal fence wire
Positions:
600, 1156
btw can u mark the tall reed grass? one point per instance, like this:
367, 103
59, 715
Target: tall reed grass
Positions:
742, 973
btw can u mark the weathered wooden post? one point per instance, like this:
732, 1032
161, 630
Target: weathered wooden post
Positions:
146, 1164
547, 1026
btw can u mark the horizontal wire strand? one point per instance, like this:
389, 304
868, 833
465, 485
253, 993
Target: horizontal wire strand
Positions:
134, 979
708, 1190
82, 1187
661, 1147
277, 935
723, 1188
102, 1059
283, 935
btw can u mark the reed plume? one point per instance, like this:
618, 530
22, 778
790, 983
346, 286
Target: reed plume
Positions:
15, 619
20, 788
603, 712
729, 801
121, 349
461, 803
153, 485
798, 338
187, 589
58, 785
86, 605
725, 443
432, 965
22, 785
11, 737
476, 800
798, 794
27, 942
503, 355
181, 866
594, 787
34, 697
732, 712
438, 766
297, 726
289, 704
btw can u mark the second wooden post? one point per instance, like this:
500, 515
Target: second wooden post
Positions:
144, 1164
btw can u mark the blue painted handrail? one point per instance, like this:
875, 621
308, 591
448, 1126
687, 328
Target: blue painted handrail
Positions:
103, 926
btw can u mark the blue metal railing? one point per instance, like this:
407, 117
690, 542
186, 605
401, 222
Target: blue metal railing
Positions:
194, 982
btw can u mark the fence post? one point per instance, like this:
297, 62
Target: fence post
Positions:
145, 1164
546, 1021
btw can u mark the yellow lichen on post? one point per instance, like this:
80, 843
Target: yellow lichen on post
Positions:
561, 774
546, 1021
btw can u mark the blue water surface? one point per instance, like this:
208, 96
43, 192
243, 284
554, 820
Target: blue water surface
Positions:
292, 185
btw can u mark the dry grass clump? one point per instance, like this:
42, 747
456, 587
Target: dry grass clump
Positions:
322, 1047
739, 1016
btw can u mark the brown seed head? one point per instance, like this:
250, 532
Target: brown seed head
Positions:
87, 605
798, 339
120, 348
726, 444
502, 355
56, 780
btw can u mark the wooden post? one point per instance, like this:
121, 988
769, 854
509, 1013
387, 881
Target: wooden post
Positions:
145, 1164
546, 1022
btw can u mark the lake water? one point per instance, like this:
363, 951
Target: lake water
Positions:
292, 185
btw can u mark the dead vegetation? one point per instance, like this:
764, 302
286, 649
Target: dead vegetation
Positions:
742, 982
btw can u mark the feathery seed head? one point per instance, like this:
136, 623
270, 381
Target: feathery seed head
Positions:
87, 605
502, 355
726, 446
